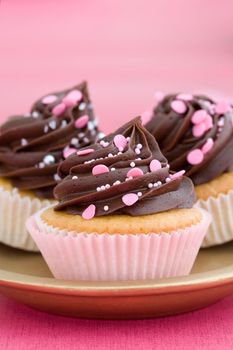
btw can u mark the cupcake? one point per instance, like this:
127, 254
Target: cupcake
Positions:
31, 147
196, 134
121, 214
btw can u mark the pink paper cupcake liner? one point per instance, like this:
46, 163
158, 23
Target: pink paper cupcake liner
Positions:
110, 257
221, 210
14, 211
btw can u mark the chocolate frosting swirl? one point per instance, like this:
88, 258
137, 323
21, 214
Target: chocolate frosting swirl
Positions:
124, 173
31, 146
195, 134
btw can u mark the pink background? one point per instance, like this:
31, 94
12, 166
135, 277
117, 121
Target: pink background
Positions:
126, 50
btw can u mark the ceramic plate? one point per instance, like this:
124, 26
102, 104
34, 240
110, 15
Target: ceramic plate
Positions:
25, 277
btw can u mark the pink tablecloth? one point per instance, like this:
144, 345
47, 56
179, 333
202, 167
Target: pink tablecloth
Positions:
22, 328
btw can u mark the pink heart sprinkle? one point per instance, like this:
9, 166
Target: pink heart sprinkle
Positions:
207, 146
177, 175
49, 99
208, 122
198, 129
100, 169
135, 172
83, 152
58, 109
195, 157
89, 212
155, 165
222, 107
129, 199
184, 97
72, 98
199, 116
146, 117
120, 142
68, 151
81, 122
178, 106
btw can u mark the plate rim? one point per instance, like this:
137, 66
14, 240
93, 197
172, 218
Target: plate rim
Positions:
197, 281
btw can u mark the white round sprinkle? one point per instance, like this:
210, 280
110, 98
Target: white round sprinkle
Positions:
102, 187
119, 153
100, 135
74, 177
132, 164
150, 185
139, 145
98, 189
117, 182
139, 194
159, 183
41, 165
168, 179
52, 124
49, 159
155, 184
138, 158
90, 126
137, 151
63, 123
120, 149
46, 129
113, 169
74, 141
128, 139
24, 142
56, 177
86, 140
106, 207
168, 166
82, 106
107, 186
110, 155
35, 114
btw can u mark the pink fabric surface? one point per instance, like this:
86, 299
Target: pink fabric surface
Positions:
126, 50
23, 328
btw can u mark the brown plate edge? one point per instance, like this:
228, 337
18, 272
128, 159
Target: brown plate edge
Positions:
193, 282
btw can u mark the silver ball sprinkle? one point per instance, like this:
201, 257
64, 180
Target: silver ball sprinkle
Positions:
90, 126
100, 135
74, 141
46, 129
82, 106
24, 142
56, 177
49, 159
53, 124
35, 114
